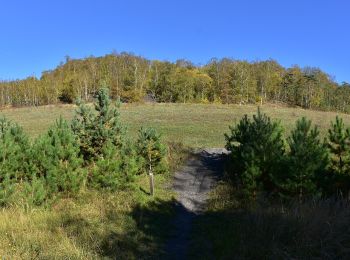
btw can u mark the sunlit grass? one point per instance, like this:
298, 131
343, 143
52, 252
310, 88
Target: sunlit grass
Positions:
132, 224
196, 125
94, 225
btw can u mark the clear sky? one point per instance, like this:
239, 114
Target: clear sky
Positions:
37, 35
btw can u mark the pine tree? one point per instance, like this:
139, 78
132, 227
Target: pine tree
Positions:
152, 152
306, 162
83, 127
107, 169
95, 129
35, 192
103, 143
58, 161
14, 159
257, 148
339, 147
115, 169
14, 150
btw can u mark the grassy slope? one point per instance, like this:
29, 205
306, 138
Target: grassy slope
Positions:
131, 224
196, 125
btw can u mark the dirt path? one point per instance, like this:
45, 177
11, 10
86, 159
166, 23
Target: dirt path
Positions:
192, 184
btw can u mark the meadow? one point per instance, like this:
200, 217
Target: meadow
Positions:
131, 224
194, 125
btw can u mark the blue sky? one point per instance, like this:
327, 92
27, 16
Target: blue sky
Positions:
37, 35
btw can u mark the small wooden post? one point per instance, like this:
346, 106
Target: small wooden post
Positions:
151, 179
151, 183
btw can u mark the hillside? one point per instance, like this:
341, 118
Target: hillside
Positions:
226, 80
99, 224
196, 125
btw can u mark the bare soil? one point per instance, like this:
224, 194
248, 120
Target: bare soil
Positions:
192, 184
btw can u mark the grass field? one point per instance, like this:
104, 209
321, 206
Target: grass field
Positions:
133, 225
196, 125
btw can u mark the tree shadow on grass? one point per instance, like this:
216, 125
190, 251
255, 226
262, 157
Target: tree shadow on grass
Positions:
150, 232
155, 230
146, 238
144, 233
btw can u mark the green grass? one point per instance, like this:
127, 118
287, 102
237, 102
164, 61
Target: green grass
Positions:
195, 125
128, 224
92, 226
133, 225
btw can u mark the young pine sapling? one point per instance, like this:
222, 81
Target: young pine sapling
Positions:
152, 152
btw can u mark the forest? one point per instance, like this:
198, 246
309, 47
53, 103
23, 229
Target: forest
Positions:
131, 78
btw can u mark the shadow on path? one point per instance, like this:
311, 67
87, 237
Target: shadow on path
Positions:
192, 184
151, 230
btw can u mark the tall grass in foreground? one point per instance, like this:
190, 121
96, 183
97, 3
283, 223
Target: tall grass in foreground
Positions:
95, 224
313, 229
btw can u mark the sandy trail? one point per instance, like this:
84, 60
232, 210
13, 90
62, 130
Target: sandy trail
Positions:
192, 184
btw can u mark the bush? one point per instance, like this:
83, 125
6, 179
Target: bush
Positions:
96, 128
338, 144
35, 192
14, 152
306, 163
151, 151
115, 169
258, 161
54, 164
16, 164
257, 149
103, 144
7, 190
58, 161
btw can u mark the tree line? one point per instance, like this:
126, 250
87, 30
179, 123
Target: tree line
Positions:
226, 80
